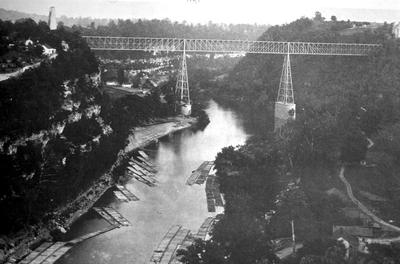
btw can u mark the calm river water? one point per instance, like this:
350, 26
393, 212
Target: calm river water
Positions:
170, 202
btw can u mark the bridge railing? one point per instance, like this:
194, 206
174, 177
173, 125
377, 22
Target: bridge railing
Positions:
228, 46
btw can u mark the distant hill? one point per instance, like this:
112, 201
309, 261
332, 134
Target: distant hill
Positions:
15, 15
68, 21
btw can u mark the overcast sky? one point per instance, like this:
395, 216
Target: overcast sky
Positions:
226, 11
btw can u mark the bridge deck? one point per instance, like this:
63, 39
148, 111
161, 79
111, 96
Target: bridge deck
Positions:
228, 46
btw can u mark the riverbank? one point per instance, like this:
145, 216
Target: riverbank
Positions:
140, 137
63, 217
169, 202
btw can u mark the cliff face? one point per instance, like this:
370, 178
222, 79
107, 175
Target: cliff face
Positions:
51, 124
58, 131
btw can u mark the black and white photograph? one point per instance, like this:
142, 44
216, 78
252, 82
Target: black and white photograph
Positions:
199, 132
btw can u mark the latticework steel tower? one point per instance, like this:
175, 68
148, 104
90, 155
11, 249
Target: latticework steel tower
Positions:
182, 86
285, 108
285, 93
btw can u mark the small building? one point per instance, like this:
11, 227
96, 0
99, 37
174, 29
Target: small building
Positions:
64, 46
162, 98
126, 85
48, 51
396, 30
354, 213
111, 83
356, 231
28, 42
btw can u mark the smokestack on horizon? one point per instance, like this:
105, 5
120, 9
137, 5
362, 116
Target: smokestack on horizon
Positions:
52, 18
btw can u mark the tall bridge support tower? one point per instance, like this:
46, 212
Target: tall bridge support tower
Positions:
285, 108
182, 86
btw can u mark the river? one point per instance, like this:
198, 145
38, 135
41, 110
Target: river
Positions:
170, 202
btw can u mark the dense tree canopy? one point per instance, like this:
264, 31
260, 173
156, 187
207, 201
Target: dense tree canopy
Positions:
167, 28
340, 101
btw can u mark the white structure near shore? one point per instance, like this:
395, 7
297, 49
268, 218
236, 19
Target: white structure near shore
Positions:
48, 51
396, 30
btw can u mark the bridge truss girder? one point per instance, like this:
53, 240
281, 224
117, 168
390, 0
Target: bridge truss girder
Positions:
228, 46
285, 107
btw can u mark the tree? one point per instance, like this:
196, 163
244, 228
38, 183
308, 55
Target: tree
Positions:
318, 17
385, 254
354, 147
370, 120
311, 259
316, 247
37, 50
60, 25
389, 140
336, 254
203, 252
333, 19
120, 76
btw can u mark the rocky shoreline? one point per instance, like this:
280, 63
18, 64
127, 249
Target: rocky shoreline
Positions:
15, 248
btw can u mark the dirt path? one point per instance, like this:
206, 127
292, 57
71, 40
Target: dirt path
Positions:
362, 207
6, 76
365, 210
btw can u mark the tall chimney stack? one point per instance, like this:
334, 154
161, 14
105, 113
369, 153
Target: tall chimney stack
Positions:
52, 18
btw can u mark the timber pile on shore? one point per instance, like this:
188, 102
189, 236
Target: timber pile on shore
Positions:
180, 238
112, 216
70, 213
199, 175
143, 136
142, 169
175, 238
50, 252
205, 228
123, 194
213, 194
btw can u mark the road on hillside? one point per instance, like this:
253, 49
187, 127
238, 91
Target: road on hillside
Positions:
365, 210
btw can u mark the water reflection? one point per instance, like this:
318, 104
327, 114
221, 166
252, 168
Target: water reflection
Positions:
169, 203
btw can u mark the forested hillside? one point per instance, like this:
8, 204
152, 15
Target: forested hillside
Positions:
340, 101
58, 131
255, 80
329, 90
147, 28
166, 28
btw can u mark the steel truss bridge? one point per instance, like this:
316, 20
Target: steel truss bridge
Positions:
285, 107
228, 46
